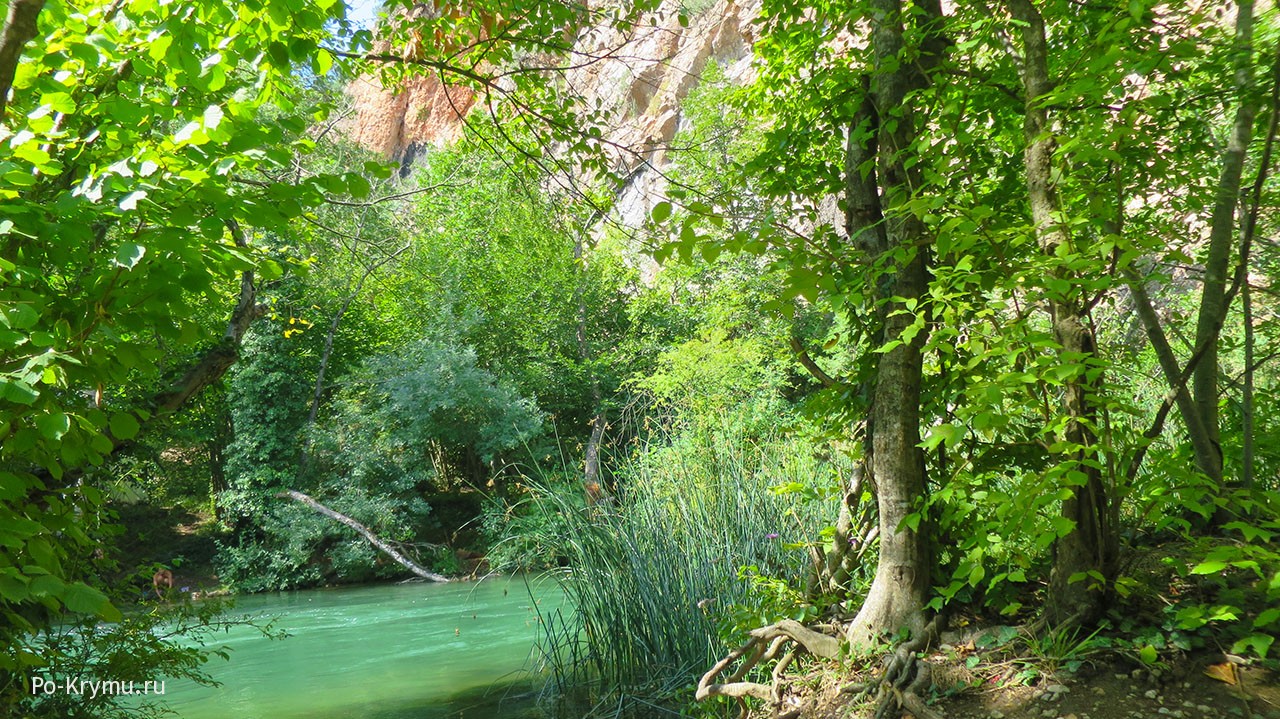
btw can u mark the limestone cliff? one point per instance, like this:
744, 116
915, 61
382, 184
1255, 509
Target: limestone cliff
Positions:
640, 83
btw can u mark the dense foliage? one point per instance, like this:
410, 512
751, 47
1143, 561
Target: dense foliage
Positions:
946, 309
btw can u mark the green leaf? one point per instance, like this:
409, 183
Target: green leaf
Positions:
976, 575
1267, 617
1209, 567
129, 255
322, 61
124, 425
270, 270
279, 53
357, 185
159, 46
17, 391
80, 597
13, 586
1148, 655
47, 585
53, 425
661, 212
1260, 644
22, 316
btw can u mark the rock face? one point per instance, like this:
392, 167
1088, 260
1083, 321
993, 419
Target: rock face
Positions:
642, 92
397, 123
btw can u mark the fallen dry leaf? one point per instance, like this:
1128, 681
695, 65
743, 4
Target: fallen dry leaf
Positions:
1224, 672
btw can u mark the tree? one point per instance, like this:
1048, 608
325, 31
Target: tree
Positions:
881, 182
880, 271
1089, 550
142, 142
1214, 296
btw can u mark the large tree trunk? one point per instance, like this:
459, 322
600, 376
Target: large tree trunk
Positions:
591, 486
1084, 561
900, 589
218, 359
885, 131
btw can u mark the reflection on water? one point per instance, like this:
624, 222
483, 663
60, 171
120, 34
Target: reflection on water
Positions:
403, 651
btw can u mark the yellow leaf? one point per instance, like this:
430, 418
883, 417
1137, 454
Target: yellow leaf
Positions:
1224, 672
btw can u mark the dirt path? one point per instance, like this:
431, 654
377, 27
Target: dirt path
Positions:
1112, 693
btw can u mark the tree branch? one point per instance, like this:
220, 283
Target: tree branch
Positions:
802, 355
19, 28
215, 363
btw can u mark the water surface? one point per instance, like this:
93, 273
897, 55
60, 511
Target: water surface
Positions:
400, 651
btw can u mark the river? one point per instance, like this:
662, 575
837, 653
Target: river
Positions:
397, 651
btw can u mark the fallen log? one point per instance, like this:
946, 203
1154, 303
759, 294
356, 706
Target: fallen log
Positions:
365, 532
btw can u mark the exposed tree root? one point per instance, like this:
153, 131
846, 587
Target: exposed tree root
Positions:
764, 645
899, 687
903, 680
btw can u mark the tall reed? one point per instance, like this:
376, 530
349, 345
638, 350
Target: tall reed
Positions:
654, 575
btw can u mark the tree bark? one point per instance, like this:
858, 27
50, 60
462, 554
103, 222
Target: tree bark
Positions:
1246, 400
364, 532
1213, 297
1088, 552
591, 460
20, 27
883, 135
1242, 277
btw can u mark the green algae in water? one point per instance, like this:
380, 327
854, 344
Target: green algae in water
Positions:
406, 651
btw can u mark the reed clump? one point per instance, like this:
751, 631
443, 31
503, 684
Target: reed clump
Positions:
659, 576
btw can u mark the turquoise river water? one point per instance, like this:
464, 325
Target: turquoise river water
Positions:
399, 651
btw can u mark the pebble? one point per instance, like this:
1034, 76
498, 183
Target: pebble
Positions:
995, 714
1048, 714
1057, 689
1099, 691
1150, 694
